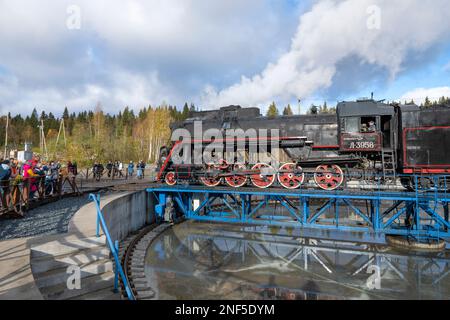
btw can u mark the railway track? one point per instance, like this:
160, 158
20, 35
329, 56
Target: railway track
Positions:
136, 186
357, 187
133, 251
294, 200
139, 187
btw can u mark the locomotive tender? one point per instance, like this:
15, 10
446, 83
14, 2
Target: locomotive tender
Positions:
365, 138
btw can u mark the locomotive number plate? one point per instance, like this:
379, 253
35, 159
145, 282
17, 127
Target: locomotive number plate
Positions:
360, 142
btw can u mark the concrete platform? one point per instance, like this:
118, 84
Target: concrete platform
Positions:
16, 277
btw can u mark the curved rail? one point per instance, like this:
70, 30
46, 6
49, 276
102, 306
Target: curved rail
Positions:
126, 261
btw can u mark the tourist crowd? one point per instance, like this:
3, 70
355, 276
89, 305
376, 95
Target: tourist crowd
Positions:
115, 169
35, 174
32, 174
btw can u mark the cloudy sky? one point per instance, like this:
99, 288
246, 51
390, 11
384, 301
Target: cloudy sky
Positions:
56, 53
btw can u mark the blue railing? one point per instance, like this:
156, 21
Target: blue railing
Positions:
113, 247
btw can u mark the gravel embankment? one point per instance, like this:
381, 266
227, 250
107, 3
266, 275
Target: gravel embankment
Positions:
49, 219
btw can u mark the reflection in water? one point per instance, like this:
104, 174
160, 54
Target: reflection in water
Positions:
212, 261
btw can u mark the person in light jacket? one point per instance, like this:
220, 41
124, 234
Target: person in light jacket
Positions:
131, 169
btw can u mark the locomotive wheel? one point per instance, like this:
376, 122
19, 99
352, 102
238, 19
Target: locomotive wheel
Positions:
210, 181
261, 180
223, 164
329, 177
237, 181
288, 178
171, 178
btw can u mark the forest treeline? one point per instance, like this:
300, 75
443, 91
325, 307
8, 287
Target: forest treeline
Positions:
274, 111
95, 135
127, 136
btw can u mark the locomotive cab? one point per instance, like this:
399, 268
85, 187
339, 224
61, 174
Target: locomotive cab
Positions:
366, 126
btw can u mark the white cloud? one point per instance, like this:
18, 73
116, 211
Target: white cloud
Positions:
133, 50
124, 89
190, 29
337, 30
138, 52
419, 94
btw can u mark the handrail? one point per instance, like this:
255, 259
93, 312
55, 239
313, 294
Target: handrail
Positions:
15, 194
112, 247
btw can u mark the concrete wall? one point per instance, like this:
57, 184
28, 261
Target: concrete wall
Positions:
129, 213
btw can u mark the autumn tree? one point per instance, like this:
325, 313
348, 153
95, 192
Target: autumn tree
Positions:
427, 102
288, 111
272, 111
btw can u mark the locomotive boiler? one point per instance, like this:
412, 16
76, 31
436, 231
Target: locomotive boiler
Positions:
365, 138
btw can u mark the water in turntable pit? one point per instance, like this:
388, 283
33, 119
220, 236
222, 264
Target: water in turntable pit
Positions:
216, 261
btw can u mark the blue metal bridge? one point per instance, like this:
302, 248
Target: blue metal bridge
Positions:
420, 214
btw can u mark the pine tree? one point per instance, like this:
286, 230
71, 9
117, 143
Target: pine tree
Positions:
185, 113
288, 111
273, 111
34, 119
43, 116
66, 113
142, 114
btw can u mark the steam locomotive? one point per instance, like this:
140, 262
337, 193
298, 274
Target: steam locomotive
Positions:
365, 138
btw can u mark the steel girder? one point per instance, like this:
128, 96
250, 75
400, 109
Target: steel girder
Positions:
410, 214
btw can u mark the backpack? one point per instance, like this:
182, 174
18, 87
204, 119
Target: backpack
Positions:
5, 174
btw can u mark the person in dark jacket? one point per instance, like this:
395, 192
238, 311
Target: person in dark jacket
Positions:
98, 171
109, 167
5, 175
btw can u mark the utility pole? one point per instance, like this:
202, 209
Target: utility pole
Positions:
43, 144
40, 139
6, 137
62, 128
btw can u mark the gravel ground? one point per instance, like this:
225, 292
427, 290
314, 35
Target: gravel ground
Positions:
52, 218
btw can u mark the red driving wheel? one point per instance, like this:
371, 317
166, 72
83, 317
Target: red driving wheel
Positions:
223, 164
263, 179
329, 177
171, 178
238, 180
289, 177
209, 179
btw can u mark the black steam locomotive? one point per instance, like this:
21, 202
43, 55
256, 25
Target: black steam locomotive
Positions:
365, 138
